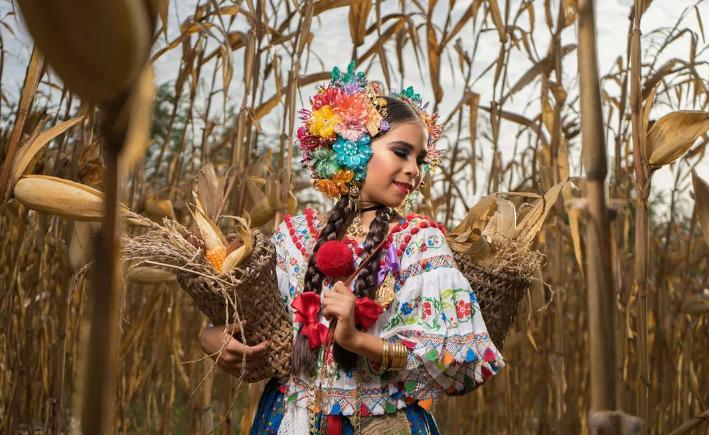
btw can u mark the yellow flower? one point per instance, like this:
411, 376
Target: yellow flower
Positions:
323, 122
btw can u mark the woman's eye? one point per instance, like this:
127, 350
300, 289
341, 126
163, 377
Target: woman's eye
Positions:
401, 153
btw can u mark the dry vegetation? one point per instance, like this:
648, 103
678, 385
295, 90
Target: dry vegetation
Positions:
233, 102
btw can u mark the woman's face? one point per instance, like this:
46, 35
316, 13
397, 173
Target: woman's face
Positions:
395, 167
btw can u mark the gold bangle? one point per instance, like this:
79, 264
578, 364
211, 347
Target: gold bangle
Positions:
386, 360
399, 356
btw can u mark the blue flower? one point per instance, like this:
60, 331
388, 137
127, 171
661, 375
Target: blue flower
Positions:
406, 308
354, 155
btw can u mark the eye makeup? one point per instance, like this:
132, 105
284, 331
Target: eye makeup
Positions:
403, 149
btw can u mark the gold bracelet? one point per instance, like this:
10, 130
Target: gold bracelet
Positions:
399, 356
386, 358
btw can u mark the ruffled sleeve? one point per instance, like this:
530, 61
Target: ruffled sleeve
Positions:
286, 286
437, 316
294, 240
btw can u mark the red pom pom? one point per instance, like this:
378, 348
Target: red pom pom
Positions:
334, 259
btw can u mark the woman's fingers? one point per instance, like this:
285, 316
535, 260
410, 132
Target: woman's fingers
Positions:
341, 288
237, 348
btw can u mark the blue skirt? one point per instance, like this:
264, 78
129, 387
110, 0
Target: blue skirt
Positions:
271, 409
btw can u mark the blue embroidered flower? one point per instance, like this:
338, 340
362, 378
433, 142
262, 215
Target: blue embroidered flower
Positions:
354, 155
406, 308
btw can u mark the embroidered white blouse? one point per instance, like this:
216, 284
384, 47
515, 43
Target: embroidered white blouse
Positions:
435, 313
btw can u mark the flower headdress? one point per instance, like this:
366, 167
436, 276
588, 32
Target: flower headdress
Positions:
338, 129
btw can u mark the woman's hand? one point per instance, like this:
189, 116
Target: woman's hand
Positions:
212, 338
339, 304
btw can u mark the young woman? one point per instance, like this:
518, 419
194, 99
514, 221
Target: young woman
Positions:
408, 329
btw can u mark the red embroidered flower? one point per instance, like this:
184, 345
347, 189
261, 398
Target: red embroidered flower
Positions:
427, 309
463, 309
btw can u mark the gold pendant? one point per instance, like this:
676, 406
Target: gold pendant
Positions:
385, 293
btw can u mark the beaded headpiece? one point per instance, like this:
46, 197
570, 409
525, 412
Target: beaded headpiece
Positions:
336, 132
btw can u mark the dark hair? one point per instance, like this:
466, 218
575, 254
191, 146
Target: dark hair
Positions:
397, 111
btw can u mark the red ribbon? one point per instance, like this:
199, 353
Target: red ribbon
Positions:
366, 313
306, 308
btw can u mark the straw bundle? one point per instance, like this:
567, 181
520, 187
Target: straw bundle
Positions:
495, 254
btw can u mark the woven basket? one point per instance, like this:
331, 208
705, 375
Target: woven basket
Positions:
499, 296
255, 292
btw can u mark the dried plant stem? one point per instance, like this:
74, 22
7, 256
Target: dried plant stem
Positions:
601, 295
105, 299
642, 189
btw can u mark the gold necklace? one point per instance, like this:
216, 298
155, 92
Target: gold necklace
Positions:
356, 229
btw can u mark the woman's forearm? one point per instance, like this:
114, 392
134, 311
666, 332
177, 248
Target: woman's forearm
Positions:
368, 346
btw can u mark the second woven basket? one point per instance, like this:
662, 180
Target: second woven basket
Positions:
499, 296
253, 292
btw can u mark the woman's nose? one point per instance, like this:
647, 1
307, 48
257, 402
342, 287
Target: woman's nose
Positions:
412, 168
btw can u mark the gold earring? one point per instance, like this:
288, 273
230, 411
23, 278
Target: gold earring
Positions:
354, 194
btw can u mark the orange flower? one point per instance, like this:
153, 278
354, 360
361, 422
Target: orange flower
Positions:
336, 186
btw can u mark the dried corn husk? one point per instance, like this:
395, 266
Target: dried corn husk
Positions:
701, 203
157, 209
237, 256
673, 134
533, 221
210, 190
53, 195
503, 221
98, 48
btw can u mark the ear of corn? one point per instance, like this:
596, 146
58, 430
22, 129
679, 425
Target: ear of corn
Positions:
215, 244
94, 63
58, 196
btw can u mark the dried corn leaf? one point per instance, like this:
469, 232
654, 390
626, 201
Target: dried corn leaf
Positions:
673, 134
139, 113
532, 222
359, 11
28, 150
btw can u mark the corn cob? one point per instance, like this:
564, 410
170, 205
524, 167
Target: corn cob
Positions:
214, 242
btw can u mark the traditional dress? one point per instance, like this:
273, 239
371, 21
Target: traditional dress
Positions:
434, 312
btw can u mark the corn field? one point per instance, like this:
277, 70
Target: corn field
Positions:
228, 80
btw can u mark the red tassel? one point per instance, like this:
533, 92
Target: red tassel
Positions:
334, 259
